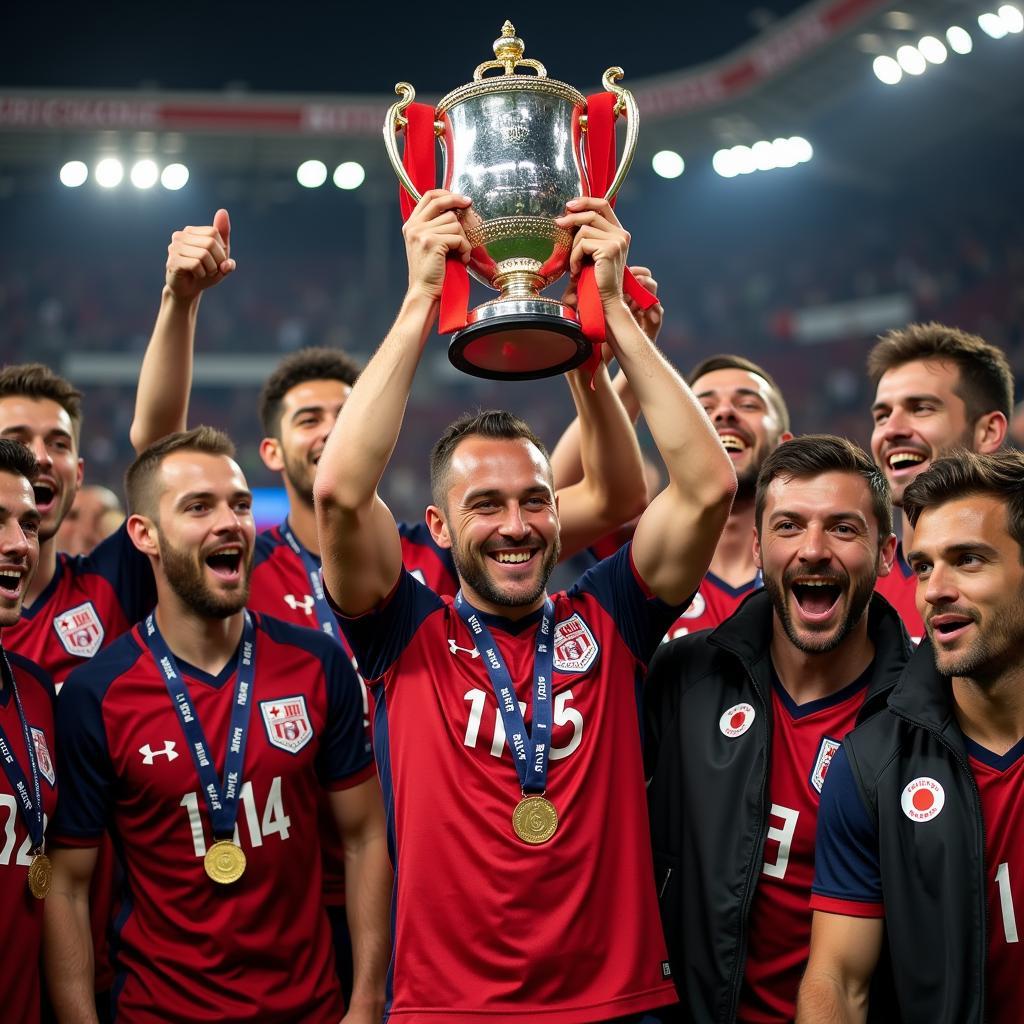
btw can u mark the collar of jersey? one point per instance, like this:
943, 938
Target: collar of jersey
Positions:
810, 707
205, 678
743, 588
1000, 762
512, 626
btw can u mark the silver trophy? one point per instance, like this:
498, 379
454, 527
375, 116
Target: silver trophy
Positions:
513, 143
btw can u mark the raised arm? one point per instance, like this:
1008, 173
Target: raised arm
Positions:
612, 490
677, 534
67, 940
566, 459
197, 258
359, 543
844, 954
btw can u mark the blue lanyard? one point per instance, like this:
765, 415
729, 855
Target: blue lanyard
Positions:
221, 798
31, 803
529, 751
324, 615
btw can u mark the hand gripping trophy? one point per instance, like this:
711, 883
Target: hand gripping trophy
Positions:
517, 145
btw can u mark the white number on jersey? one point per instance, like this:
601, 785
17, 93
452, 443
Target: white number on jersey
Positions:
274, 821
784, 837
24, 856
562, 714
1006, 902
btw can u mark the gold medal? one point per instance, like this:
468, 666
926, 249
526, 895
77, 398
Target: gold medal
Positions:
224, 862
535, 819
40, 874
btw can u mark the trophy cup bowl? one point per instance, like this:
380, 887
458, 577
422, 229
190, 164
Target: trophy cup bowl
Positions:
514, 144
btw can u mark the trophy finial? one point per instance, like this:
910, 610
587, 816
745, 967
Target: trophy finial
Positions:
509, 48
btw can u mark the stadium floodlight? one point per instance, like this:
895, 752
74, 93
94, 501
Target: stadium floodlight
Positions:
911, 60
174, 176
801, 149
932, 49
74, 173
887, 70
743, 159
109, 172
668, 164
1012, 18
764, 156
992, 25
311, 173
349, 175
783, 153
959, 39
724, 163
144, 173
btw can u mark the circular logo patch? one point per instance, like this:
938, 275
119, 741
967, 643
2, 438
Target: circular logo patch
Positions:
922, 799
697, 606
737, 720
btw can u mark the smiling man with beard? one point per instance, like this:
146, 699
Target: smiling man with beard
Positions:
742, 723
202, 739
921, 834
936, 388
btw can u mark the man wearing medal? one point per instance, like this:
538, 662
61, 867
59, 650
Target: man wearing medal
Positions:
28, 789
523, 889
202, 739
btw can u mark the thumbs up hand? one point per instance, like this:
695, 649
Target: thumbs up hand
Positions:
199, 257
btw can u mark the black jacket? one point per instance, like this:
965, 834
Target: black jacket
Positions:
933, 874
708, 796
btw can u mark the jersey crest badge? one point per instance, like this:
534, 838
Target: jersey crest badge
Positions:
826, 751
80, 630
737, 720
287, 722
922, 799
575, 646
43, 759
697, 607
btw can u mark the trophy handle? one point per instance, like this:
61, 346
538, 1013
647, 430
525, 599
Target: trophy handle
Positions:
394, 121
625, 105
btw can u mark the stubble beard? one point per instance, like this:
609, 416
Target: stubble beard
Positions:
473, 572
998, 648
185, 578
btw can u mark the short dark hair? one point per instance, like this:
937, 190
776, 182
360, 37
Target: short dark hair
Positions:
17, 460
813, 454
138, 480
492, 423
986, 380
962, 474
34, 380
731, 362
301, 366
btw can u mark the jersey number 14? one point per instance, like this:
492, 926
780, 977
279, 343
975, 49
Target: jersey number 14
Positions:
273, 821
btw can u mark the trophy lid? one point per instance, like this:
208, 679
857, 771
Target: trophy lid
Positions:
508, 53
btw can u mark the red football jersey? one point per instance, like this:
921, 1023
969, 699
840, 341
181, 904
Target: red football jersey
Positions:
713, 603
490, 930
91, 600
804, 738
187, 948
899, 588
23, 913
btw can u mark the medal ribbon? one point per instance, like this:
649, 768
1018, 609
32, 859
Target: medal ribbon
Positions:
30, 802
221, 797
529, 751
324, 615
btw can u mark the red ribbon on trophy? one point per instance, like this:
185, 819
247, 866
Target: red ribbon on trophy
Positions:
599, 144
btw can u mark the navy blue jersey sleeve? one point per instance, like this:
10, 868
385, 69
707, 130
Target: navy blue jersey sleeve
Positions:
642, 619
84, 769
127, 570
379, 637
345, 748
846, 865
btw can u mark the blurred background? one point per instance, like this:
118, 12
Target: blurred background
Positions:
808, 175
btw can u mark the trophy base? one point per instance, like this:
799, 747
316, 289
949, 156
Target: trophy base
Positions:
522, 339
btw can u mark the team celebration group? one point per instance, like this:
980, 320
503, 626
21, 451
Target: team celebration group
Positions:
761, 762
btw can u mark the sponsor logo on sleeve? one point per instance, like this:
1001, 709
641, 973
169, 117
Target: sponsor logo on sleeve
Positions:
287, 723
80, 630
43, 759
575, 646
826, 751
922, 799
737, 720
